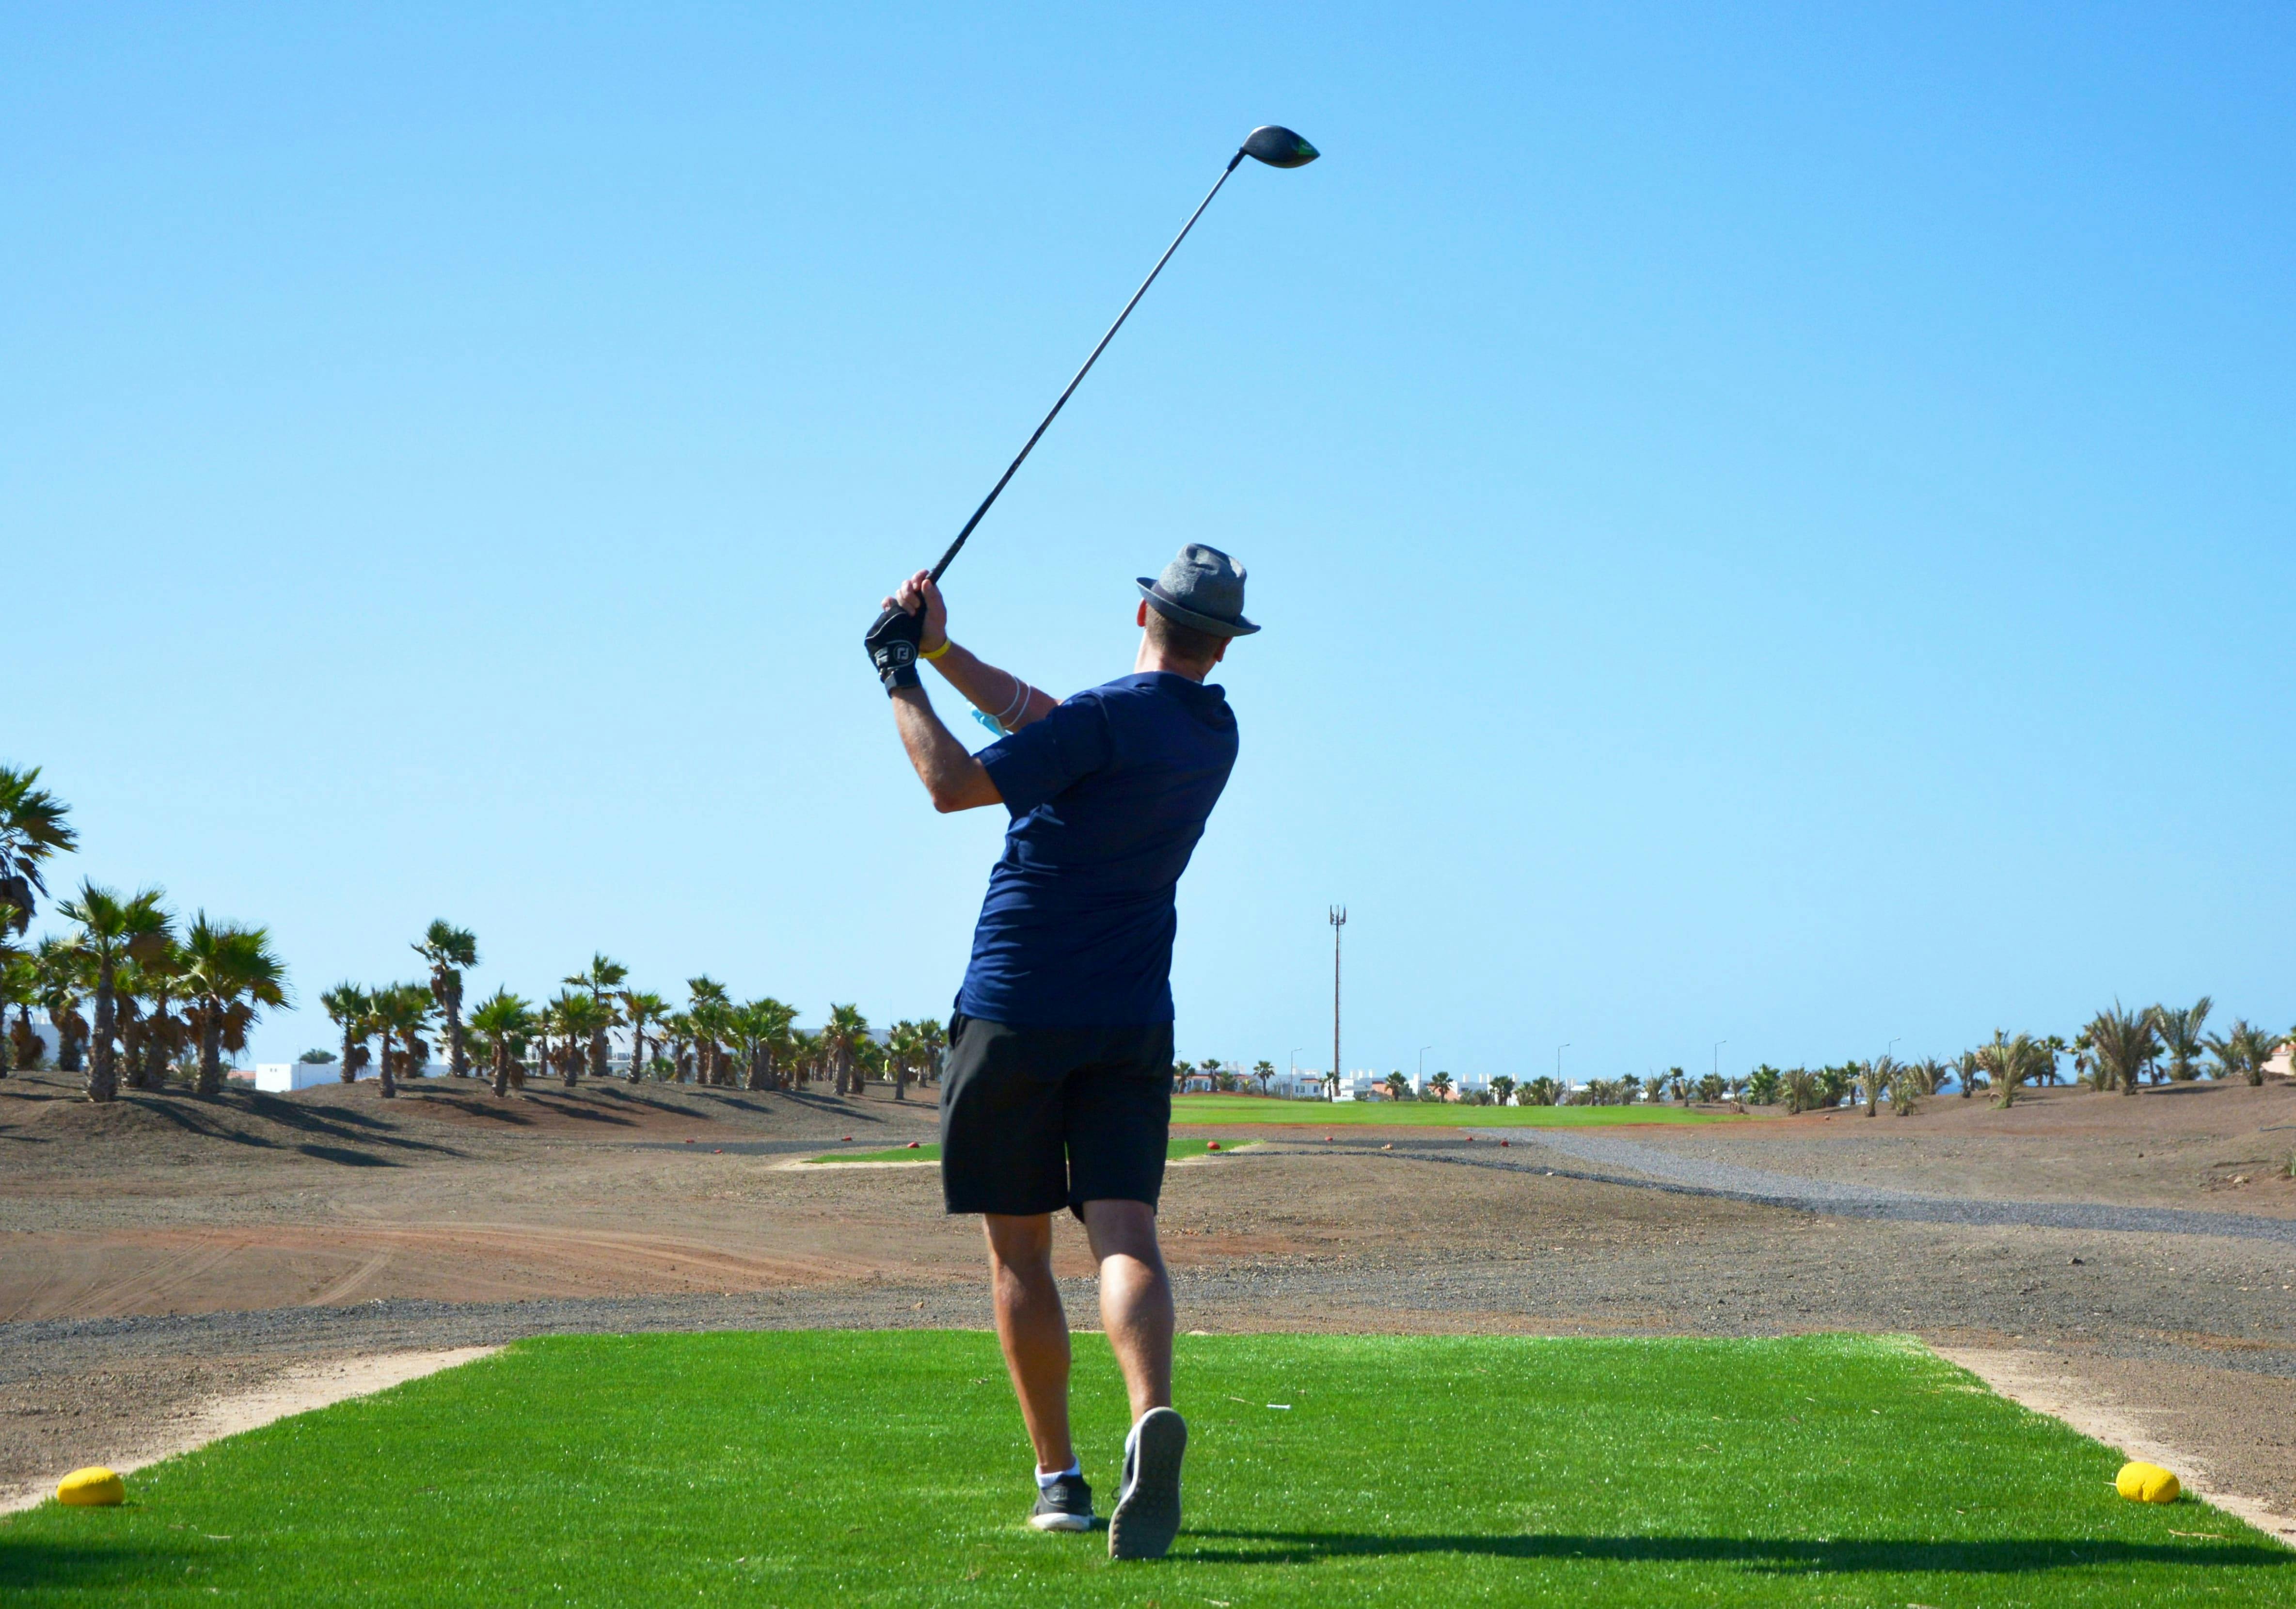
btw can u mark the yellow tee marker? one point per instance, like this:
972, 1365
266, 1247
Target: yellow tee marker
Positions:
2142, 1482
94, 1487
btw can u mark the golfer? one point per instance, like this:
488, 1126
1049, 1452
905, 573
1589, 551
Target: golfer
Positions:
1059, 1089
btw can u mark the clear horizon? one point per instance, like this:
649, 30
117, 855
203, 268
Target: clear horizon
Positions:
1772, 527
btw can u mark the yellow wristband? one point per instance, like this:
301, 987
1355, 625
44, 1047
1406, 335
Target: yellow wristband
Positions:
945, 644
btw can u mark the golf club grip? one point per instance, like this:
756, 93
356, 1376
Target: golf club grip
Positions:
1046, 424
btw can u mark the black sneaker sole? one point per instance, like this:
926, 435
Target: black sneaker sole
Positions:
1147, 1516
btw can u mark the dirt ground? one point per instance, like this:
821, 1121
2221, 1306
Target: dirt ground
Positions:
165, 1252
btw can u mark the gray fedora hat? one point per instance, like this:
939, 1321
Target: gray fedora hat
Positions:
1203, 587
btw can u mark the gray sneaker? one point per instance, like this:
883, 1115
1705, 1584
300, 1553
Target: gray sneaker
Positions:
1066, 1505
1147, 1514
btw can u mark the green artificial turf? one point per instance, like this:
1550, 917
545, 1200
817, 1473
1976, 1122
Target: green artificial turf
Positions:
1174, 1150
888, 1469
1210, 1110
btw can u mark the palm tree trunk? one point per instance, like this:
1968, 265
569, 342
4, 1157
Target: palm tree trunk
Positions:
103, 1070
502, 1068
637, 1050
458, 1059
155, 1044
599, 1051
389, 1084
210, 1046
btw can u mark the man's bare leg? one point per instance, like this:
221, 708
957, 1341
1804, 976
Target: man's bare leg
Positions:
1135, 1298
1034, 1331
1135, 1307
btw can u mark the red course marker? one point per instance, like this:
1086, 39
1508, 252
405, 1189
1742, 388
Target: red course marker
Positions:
1211, 1144
912, 1145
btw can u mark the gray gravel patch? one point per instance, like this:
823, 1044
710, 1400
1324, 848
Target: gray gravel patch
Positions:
1652, 1168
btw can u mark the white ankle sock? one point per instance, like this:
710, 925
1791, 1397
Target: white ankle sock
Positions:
1045, 1481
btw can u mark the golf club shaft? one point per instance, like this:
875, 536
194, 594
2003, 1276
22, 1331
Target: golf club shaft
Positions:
1038, 433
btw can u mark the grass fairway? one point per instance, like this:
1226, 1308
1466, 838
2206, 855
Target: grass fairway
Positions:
888, 1469
1173, 1151
1211, 1111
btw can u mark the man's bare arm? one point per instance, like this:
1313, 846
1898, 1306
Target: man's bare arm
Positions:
955, 780
999, 694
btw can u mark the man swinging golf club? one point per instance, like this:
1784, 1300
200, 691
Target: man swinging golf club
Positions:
1059, 1087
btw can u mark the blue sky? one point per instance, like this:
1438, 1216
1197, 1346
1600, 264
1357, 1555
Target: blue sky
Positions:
1772, 524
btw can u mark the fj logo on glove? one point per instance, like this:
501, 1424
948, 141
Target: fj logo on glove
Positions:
892, 647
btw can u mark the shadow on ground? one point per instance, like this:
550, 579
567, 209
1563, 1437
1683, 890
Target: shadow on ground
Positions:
61, 1565
1780, 1555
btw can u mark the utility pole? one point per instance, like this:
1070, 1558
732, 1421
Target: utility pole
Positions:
1338, 921
1559, 1049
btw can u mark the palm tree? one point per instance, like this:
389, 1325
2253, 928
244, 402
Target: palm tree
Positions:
638, 1009
350, 1008
806, 1057
64, 973
449, 950
110, 931
678, 1026
505, 1021
20, 987
1399, 1088
602, 979
2054, 1045
840, 1040
230, 973
400, 1014
2180, 1037
1873, 1079
2010, 1065
582, 1019
31, 829
934, 1038
1800, 1089
2123, 1042
1502, 1087
152, 1035
1907, 1085
760, 1027
1441, 1085
908, 1054
707, 1005
2243, 1052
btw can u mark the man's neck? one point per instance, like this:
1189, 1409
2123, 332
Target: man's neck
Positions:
1149, 659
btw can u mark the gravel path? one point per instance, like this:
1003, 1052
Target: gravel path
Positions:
1666, 1170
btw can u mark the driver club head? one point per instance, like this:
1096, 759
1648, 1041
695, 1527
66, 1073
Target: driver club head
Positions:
1278, 147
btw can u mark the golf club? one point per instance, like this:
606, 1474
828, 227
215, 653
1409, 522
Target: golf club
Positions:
1278, 147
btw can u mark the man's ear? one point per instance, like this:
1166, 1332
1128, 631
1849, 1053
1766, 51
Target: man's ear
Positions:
1140, 615
1222, 654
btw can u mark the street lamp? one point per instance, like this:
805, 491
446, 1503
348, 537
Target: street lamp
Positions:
1559, 1049
1423, 1049
1717, 1056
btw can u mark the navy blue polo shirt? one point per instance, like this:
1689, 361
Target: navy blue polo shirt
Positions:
1108, 795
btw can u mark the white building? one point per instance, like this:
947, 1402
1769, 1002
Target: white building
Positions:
281, 1078
1299, 1084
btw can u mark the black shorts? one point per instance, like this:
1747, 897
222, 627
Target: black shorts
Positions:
1033, 1120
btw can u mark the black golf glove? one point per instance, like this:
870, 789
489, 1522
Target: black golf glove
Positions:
892, 644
